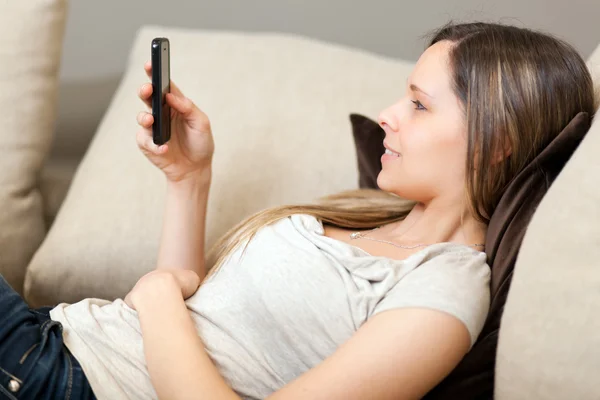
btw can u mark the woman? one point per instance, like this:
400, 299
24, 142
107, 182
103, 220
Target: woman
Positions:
294, 304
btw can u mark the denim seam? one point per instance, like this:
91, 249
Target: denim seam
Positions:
38, 313
11, 375
43, 325
70, 383
7, 393
47, 325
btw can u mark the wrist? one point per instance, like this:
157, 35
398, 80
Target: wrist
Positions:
198, 179
189, 190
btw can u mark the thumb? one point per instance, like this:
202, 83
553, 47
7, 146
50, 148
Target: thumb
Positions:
181, 104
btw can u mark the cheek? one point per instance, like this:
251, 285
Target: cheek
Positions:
434, 152
450, 162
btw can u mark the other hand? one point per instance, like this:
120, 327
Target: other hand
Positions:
186, 280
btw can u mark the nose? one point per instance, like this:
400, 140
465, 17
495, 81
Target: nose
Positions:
381, 120
388, 117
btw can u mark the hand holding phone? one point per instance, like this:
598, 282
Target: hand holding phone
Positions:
176, 136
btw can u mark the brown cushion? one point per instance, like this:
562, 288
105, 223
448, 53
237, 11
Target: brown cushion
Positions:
474, 376
368, 140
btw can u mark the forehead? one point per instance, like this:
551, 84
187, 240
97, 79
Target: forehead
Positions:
432, 70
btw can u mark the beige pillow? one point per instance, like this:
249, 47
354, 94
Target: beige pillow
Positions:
279, 106
32, 33
549, 346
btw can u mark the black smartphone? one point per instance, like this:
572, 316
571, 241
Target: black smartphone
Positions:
161, 85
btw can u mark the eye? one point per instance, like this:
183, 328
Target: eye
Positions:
418, 105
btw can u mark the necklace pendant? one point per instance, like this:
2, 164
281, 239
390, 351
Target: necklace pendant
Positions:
354, 235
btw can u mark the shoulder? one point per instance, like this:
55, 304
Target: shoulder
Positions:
451, 278
458, 271
455, 259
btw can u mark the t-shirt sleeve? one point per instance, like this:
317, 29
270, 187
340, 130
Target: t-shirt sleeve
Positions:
455, 282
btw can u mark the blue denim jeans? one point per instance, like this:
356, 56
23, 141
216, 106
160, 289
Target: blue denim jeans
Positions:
34, 362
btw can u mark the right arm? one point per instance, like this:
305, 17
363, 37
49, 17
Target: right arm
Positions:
184, 225
186, 160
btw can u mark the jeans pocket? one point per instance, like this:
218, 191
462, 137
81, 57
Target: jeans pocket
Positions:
27, 353
35, 363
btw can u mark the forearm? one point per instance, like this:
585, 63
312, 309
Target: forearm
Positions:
184, 225
178, 364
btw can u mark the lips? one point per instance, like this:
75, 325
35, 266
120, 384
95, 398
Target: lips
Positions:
389, 148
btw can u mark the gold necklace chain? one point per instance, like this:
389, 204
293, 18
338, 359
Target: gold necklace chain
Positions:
358, 235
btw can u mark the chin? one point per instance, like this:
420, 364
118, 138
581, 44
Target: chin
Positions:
391, 186
386, 178
384, 183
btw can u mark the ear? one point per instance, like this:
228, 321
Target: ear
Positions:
502, 155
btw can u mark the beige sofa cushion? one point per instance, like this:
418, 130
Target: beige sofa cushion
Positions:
55, 179
549, 346
32, 33
279, 106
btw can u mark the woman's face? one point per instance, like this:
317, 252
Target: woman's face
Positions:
427, 128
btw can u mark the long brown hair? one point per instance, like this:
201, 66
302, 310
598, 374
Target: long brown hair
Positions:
518, 89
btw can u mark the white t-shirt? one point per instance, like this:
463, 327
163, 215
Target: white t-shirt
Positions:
292, 299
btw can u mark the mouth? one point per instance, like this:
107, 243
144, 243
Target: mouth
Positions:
390, 151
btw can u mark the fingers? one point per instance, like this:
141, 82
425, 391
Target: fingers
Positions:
189, 281
145, 94
181, 104
128, 301
144, 135
148, 68
145, 119
175, 89
144, 141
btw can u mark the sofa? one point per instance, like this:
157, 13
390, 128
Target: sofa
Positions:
279, 105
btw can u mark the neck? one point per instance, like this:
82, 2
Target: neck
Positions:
436, 222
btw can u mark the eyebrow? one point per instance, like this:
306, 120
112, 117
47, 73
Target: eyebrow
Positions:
415, 88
